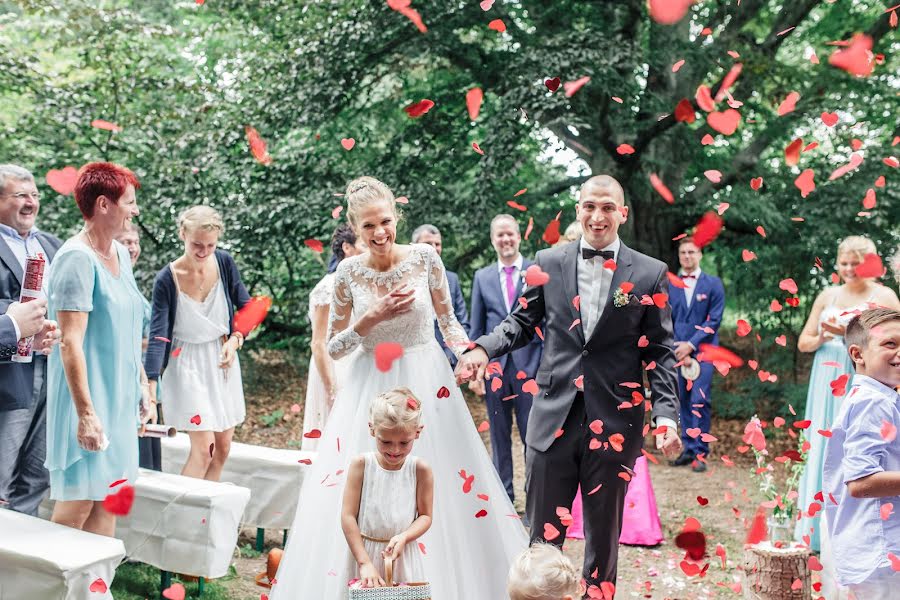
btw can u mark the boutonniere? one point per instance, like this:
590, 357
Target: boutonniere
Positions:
701, 297
621, 297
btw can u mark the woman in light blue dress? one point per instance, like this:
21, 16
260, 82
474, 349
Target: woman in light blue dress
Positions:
823, 334
94, 377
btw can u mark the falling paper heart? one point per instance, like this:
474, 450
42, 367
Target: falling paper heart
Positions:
788, 104
63, 180
669, 12
534, 276
497, 25
348, 143
417, 109
805, 182
572, 87
725, 122
474, 98
552, 83
98, 586
871, 266
385, 355
120, 502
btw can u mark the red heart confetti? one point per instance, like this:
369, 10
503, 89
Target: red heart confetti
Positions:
257, 146
348, 143
788, 104
856, 58
417, 109
251, 315
105, 125
871, 266
669, 12
534, 276
684, 111
474, 98
552, 83
497, 25
62, 180
195, 419
385, 355
661, 188
725, 122
571, 87
119, 503
805, 182
443, 392
175, 592
98, 586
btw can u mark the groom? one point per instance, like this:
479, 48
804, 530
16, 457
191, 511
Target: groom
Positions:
600, 339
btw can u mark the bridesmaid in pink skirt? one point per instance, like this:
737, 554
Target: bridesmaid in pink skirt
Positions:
640, 522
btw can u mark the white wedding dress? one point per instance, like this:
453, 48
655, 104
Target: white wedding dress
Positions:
475, 533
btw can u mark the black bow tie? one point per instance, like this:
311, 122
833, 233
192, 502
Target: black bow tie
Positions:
589, 253
689, 277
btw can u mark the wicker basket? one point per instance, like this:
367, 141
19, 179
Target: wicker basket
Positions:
393, 591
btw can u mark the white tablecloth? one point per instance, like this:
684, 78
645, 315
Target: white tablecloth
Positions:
272, 475
40, 560
182, 524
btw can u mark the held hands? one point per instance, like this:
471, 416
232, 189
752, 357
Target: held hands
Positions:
90, 432
669, 442
29, 316
369, 575
471, 366
477, 386
683, 350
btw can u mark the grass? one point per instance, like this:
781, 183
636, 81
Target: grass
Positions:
136, 581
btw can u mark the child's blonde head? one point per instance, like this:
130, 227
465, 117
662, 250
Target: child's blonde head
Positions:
397, 408
542, 573
857, 246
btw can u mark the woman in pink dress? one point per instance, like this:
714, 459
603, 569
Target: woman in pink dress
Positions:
640, 520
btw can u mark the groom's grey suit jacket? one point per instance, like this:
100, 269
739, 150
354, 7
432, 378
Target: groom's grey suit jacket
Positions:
610, 357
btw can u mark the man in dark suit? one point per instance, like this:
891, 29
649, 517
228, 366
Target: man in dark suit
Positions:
431, 235
495, 292
606, 320
697, 313
23, 388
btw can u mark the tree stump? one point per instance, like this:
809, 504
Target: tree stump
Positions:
770, 573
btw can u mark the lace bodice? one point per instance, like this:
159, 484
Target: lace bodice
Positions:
357, 287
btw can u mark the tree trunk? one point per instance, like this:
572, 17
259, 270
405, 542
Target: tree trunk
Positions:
770, 573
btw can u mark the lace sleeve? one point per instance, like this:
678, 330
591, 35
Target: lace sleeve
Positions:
454, 335
342, 339
322, 293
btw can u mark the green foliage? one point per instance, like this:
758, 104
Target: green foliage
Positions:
272, 418
183, 80
137, 581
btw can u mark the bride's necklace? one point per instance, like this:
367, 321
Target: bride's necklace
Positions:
95, 249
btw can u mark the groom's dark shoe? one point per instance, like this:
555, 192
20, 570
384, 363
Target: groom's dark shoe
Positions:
684, 459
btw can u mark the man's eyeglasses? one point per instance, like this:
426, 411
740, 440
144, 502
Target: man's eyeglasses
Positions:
22, 196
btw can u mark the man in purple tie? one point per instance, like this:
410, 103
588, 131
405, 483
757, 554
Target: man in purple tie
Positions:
495, 292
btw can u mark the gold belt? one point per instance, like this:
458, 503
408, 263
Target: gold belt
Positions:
373, 539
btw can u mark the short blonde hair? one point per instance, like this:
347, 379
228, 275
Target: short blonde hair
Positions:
398, 407
201, 217
542, 573
363, 191
857, 245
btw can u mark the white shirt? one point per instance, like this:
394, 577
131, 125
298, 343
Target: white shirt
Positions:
690, 285
516, 274
593, 285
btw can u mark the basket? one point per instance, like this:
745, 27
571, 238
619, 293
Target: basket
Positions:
393, 591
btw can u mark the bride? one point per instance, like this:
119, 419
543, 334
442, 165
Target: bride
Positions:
391, 295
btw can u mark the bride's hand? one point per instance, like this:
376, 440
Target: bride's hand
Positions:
395, 302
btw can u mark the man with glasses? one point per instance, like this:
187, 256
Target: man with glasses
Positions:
23, 389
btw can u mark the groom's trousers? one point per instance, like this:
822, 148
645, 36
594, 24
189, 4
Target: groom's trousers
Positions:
552, 479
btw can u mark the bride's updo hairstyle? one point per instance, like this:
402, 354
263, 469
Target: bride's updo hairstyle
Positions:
397, 408
363, 191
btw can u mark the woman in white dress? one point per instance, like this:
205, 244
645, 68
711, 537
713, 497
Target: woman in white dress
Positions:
324, 373
394, 293
193, 347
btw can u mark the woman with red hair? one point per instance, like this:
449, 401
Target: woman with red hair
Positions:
95, 376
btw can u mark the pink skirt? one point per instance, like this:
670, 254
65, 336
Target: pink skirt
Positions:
640, 522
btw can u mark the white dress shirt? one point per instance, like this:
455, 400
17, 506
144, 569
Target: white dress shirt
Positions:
690, 285
516, 274
593, 285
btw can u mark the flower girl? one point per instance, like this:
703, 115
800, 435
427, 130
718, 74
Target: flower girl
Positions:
542, 572
389, 494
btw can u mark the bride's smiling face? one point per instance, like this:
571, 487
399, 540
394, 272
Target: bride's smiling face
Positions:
377, 227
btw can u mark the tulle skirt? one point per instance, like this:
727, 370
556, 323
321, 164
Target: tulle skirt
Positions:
475, 534
640, 519
316, 410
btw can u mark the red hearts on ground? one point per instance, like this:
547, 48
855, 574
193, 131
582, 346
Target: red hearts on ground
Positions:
63, 180
175, 592
120, 502
385, 355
